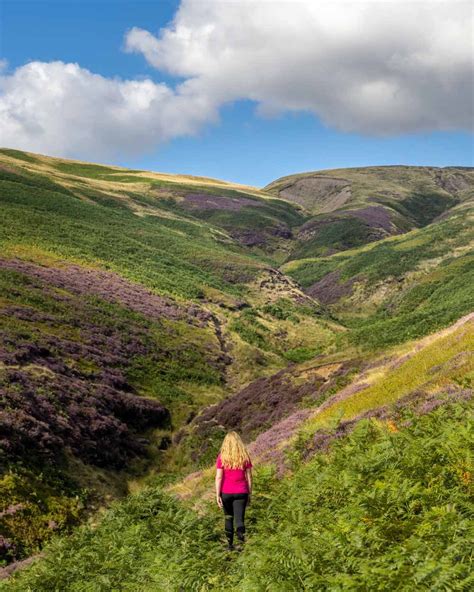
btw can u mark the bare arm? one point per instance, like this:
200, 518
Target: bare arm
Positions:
219, 476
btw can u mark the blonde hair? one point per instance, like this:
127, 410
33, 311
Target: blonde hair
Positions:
233, 452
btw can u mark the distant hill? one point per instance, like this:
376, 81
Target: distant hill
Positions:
352, 207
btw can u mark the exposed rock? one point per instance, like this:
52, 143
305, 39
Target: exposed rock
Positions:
451, 181
318, 194
275, 285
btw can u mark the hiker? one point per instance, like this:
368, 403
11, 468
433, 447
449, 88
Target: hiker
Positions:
233, 485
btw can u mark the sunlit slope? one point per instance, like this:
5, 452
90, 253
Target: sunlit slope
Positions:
394, 491
401, 287
58, 211
143, 315
247, 217
353, 207
103, 222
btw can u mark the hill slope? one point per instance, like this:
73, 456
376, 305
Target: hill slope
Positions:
144, 314
122, 314
352, 207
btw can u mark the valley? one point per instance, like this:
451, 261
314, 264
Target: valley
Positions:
327, 317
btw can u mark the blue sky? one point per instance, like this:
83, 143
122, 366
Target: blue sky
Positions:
241, 145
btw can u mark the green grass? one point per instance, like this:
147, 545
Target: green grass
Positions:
51, 502
145, 250
430, 368
180, 256
338, 234
426, 295
390, 257
438, 300
421, 208
382, 510
301, 354
293, 332
19, 155
94, 171
412, 197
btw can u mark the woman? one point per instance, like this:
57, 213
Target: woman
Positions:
233, 485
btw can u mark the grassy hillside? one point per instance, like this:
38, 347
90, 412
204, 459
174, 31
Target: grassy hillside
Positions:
122, 314
397, 288
387, 507
353, 207
165, 205
328, 396
142, 315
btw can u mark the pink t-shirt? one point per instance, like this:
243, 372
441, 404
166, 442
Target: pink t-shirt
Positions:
233, 480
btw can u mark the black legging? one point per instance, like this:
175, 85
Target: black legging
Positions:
234, 507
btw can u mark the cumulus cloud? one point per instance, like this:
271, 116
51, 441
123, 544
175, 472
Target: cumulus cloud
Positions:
377, 67
64, 109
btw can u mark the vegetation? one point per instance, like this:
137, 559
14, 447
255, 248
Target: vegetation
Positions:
102, 353
142, 315
400, 288
352, 207
387, 508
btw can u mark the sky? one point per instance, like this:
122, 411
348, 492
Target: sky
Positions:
243, 90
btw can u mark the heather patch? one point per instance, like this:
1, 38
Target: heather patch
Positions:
109, 286
418, 402
208, 201
44, 416
100, 350
59, 393
330, 289
261, 404
259, 224
249, 237
73, 371
374, 216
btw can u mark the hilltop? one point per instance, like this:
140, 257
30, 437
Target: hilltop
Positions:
353, 207
143, 314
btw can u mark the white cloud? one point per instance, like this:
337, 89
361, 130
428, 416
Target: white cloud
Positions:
368, 66
64, 109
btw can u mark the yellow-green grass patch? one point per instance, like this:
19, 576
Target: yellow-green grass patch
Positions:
429, 366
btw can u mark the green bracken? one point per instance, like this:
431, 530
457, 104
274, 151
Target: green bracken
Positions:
386, 507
